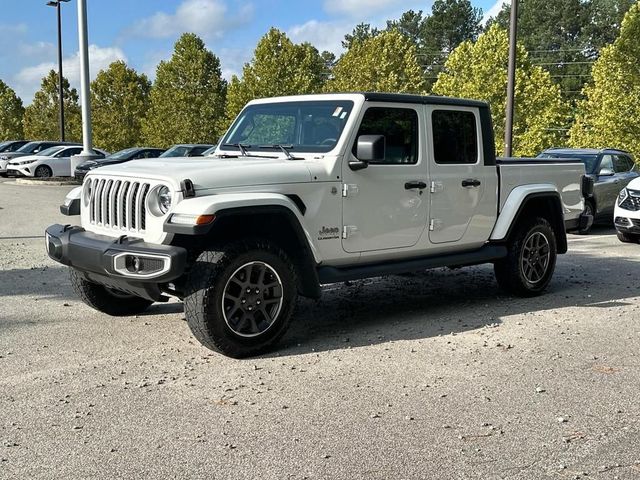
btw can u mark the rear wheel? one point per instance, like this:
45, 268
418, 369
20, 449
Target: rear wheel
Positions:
240, 299
628, 237
531, 260
43, 171
107, 300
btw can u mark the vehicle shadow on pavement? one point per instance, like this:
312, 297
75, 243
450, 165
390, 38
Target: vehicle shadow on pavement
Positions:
443, 301
41, 281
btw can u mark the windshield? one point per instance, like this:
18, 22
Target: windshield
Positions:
312, 126
50, 151
590, 161
119, 155
29, 147
176, 151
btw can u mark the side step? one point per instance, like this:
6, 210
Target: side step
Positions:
486, 254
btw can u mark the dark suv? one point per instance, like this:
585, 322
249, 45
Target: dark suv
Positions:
133, 153
611, 170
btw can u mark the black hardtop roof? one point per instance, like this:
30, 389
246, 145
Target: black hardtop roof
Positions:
424, 99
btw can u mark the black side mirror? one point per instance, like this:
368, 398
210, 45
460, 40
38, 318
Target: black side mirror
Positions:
369, 149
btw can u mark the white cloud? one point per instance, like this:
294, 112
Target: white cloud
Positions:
27, 81
493, 11
358, 8
322, 35
206, 18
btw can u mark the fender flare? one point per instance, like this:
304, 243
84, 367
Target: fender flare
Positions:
225, 204
515, 202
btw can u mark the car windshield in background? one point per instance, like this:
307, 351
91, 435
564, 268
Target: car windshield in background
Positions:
119, 155
590, 161
47, 152
177, 151
209, 151
300, 126
29, 147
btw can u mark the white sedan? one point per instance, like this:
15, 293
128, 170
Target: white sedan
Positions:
52, 162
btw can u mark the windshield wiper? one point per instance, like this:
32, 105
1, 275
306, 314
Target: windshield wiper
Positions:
284, 148
239, 146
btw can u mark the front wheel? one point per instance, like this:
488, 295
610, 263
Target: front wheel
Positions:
43, 171
107, 300
589, 209
240, 298
531, 260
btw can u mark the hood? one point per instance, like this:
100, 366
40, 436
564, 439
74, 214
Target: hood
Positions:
212, 172
634, 184
10, 155
26, 158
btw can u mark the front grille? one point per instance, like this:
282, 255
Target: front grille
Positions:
118, 204
632, 202
635, 221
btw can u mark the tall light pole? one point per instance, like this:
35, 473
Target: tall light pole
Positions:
511, 79
56, 4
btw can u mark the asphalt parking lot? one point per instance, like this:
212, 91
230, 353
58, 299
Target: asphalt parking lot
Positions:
435, 375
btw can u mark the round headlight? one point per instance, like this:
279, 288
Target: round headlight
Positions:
164, 199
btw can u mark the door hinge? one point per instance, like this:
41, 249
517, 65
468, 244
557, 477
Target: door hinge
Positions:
435, 224
436, 187
349, 190
348, 231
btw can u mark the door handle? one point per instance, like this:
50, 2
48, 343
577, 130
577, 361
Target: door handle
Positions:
415, 184
471, 182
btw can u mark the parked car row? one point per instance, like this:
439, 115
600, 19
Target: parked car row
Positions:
45, 159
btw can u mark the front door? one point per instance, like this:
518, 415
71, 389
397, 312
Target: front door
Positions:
463, 189
385, 205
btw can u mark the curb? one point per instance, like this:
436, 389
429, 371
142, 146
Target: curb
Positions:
52, 183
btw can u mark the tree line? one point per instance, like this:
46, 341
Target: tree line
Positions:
577, 78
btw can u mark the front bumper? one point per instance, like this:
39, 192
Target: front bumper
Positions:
124, 263
626, 221
15, 171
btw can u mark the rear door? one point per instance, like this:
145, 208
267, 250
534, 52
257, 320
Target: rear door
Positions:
463, 190
623, 166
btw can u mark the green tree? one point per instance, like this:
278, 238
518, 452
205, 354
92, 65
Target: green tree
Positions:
565, 36
451, 22
479, 70
384, 63
610, 114
41, 117
187, 98
278, 67
119, 102
360, 33
11, 112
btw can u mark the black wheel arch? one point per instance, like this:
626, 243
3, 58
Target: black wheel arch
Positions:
274, 222
547, 205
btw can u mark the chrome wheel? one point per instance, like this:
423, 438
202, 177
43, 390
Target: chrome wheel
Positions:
252, 299
534, 260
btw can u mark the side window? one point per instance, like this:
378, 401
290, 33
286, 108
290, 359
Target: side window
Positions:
197, 151
622, 164
455, 137
606, 163
70, 152
400, 129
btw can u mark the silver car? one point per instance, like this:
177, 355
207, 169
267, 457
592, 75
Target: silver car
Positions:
611, 169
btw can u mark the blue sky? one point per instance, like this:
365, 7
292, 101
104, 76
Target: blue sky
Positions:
142, 32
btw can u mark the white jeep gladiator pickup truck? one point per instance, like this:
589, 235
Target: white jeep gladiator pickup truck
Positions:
311, 190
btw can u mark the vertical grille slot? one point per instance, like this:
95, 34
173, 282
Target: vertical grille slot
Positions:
118, 204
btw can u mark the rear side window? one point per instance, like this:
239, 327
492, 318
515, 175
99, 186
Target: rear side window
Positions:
622, 163
197, 151
455, 137
400, 129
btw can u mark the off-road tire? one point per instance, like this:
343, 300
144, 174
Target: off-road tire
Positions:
628, 237
511, 274
43, 171
205, 292
589, 209
105, 300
